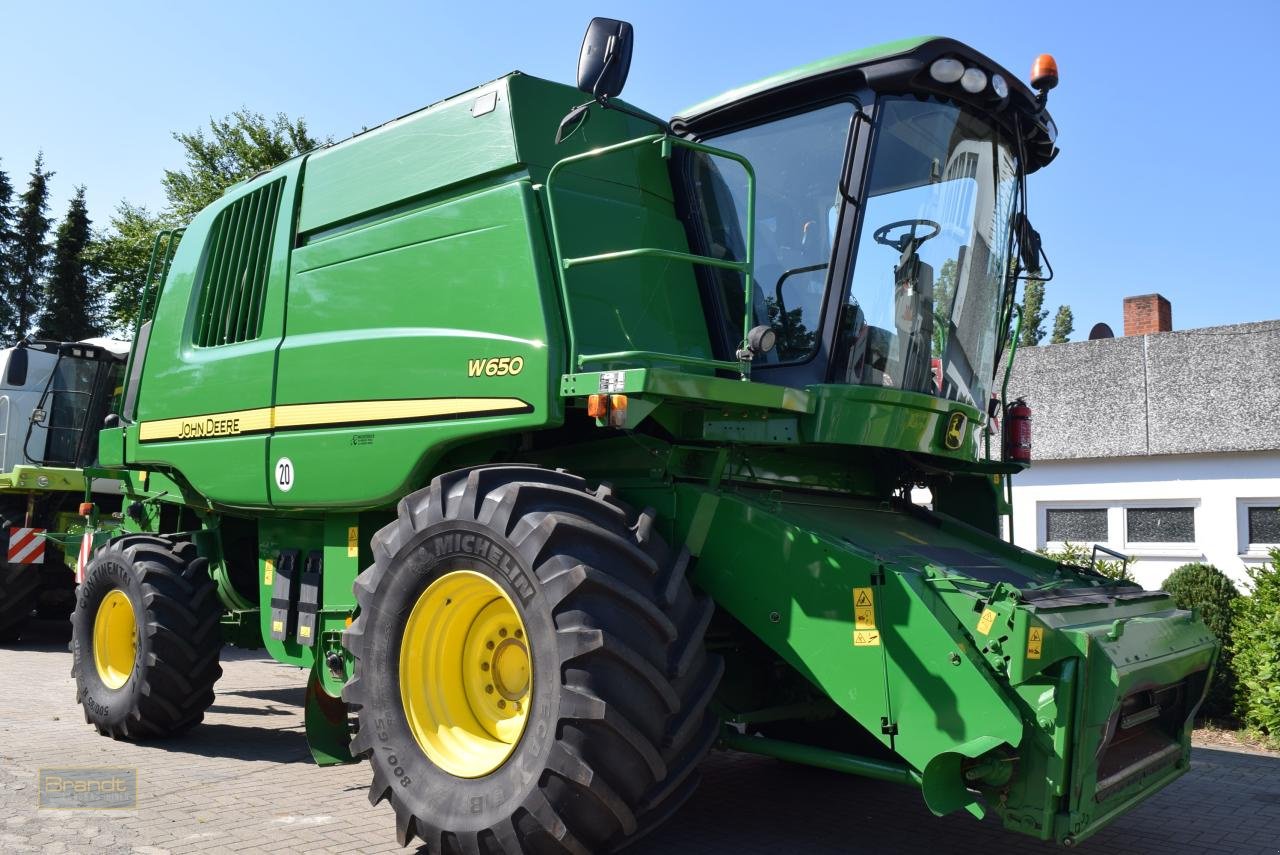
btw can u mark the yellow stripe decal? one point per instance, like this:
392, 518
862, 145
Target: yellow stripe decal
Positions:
338, 414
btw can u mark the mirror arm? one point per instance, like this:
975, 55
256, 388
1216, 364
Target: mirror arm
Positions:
632, 111
579, 114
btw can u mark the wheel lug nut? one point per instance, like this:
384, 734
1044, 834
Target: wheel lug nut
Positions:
503, 632
519, 633
489, 645
502, 705
489, 689
484, 666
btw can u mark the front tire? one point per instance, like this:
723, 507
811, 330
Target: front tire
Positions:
615, 707
145, 638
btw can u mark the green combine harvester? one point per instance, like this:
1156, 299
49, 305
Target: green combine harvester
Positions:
562, 443
53, 397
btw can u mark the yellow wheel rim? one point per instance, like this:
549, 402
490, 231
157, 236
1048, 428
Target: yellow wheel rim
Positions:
115, 639
465, 674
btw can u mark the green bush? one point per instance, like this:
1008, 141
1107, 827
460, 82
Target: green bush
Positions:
1206, 588
1255, 649
1079, 555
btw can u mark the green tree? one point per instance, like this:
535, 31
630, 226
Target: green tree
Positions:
944, 294
1063, 326
31, 256
233, 148
120, 257
1207, 589
1033, 313
1255, 650
72, 307
8, 248
1079, 555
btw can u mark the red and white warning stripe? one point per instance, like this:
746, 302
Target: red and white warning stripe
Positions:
26, 546
82, 560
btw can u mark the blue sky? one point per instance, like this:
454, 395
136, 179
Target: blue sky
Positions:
1166, 182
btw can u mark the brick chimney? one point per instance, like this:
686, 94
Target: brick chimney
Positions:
1147, 314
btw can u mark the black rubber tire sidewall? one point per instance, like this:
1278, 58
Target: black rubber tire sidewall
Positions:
104, 706
471, 804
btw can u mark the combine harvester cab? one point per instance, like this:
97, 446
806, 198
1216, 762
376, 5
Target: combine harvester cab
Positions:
559, 443
53, 398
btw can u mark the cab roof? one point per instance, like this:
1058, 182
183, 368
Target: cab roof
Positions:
804, 72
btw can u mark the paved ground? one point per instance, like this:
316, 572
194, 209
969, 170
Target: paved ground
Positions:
243, 781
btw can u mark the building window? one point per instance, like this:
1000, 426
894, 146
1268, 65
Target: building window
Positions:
1264, 524
1076, 525
1160, 525
1259, 526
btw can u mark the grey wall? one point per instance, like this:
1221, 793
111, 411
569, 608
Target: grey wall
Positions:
1215, 389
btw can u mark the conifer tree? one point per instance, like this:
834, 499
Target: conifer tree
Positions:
1064, 323
1033, 313
8, 247
71, 306
31, 256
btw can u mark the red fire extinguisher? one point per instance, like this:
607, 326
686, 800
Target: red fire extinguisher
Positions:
1017, 432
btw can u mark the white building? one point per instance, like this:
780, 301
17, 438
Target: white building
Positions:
1162, 445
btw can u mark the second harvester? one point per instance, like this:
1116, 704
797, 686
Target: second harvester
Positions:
562, 443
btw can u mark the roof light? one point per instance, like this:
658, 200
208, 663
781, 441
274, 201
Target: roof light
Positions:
973, 81
946, 70
1044, 72
999, 86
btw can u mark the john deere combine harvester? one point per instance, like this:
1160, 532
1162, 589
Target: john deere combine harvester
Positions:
53, 397
558, 463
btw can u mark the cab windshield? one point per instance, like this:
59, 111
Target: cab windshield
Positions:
922, 311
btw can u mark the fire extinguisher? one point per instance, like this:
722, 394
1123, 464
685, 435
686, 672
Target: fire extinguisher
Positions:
1017, 432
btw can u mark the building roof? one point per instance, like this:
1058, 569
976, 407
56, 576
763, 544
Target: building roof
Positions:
1199, 391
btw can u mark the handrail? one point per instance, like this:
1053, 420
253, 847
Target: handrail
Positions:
1004, 410
564, 265
150, 296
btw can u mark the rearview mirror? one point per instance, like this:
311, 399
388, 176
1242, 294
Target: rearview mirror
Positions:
16, 372
605, 58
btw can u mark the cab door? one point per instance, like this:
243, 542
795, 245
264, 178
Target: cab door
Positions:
205, 401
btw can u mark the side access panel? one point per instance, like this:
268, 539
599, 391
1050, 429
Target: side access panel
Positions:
408, 336
204, 407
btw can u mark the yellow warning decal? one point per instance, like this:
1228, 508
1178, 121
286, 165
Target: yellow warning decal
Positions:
268, 571
864, 608
866, 638
1035, 642
353, 541
985, 622
277, 626
304, 631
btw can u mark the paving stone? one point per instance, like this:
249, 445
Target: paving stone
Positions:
243, 782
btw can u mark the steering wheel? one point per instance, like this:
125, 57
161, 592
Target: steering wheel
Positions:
900, 244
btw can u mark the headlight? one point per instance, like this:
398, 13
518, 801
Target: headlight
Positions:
999, 86
973, 81
946, 70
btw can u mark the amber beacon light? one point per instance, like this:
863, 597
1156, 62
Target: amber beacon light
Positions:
1044, 73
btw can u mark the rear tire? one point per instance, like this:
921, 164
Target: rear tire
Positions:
19, 588
166, 684
618, 704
